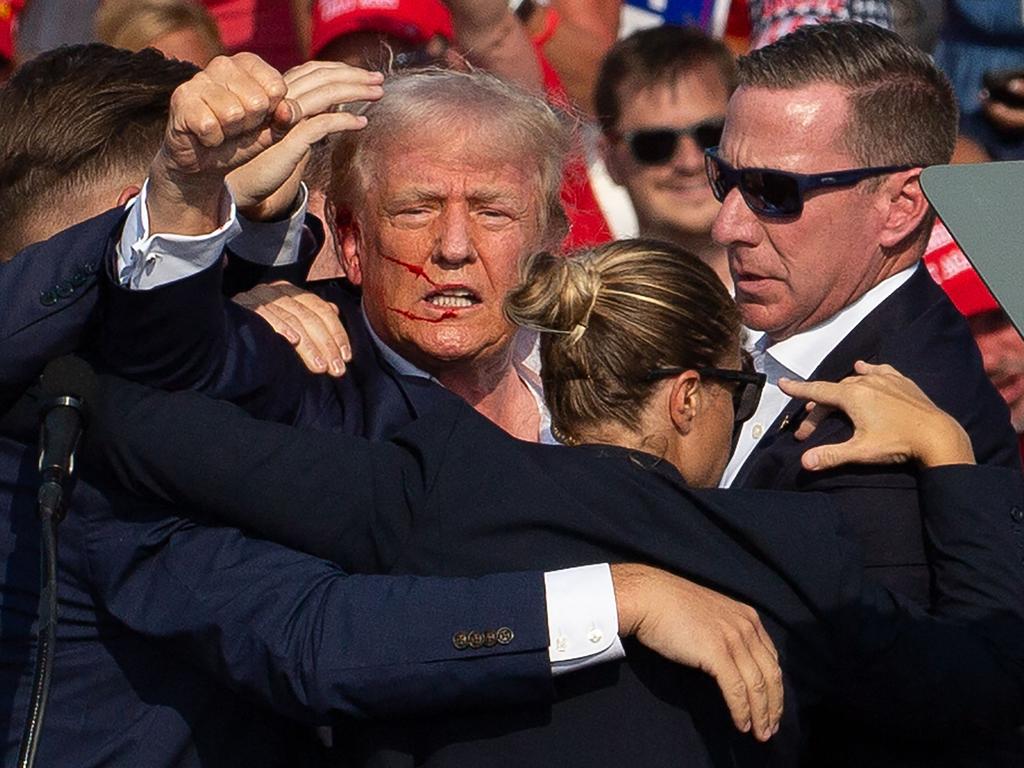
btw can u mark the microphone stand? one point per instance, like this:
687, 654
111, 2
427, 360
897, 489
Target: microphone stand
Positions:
51, 506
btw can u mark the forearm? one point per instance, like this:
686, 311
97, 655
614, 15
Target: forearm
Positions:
324, 642
326, 494
490, 36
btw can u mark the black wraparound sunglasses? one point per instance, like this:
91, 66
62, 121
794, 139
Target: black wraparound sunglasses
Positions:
656, 146
778, 194
746, 386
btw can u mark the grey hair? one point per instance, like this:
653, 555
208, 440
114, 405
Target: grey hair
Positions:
447, 100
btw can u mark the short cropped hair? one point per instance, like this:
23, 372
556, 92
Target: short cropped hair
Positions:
448, 100
657, 56
902, 108
76, 116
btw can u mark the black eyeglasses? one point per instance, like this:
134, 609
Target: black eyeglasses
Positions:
656, 146
746, 392
777, 194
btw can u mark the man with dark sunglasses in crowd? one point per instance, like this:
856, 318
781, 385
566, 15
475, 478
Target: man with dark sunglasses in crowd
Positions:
660, 99
825, 225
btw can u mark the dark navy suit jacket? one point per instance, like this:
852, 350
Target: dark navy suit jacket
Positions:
920, 333
177, 639
440, 498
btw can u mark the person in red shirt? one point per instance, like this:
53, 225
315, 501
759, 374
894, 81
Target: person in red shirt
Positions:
1002, 348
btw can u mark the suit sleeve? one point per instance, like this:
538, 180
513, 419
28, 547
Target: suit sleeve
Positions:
213, 457
50, 296
967, 657
303, 637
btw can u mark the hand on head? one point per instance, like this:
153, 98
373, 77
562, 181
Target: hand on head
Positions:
893, 421
234, 111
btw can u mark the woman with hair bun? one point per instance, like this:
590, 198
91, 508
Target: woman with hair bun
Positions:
646, 381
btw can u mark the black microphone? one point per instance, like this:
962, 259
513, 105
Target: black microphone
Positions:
68, 386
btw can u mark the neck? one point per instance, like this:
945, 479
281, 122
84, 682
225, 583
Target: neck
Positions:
699, 244
493, 387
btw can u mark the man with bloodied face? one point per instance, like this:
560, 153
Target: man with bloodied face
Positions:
454, 181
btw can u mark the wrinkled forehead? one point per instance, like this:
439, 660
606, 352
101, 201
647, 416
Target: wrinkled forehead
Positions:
455, 159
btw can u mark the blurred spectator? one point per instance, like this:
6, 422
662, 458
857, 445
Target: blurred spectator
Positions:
982, 36
574, 36
771, 19
401, 33
179, 29
47, 24
272, 29
8, 14
661, 99
918, 21
1002, 348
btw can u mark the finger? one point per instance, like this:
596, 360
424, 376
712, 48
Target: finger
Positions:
767, 658
742, 642
313, 129
230, 114
315, 323
269, 79
327, 331
192, 117
325, 74
734, 690
279, 316
815, 415
279, 323
881, 369
327, 99
827, 392
853, 451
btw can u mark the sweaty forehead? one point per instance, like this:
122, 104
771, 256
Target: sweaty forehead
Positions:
794, 129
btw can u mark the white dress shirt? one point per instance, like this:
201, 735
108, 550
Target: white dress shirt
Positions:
796, 358
582, 614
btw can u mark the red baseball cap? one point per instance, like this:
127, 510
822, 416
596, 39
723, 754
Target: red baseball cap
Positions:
9, 10
416, 21
955, 275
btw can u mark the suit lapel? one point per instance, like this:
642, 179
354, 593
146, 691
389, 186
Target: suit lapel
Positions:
777, 450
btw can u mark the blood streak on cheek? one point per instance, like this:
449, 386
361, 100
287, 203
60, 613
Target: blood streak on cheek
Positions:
448, 314
418, 271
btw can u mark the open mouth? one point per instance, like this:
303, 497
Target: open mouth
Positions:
452, 297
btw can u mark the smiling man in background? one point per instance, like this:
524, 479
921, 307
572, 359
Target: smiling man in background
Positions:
661, 98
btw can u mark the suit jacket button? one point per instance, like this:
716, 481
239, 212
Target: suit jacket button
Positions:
460, 640
490, 638
476, 640
65, 289
90, 268
79, 279
48, 298
1016, 514
504, 636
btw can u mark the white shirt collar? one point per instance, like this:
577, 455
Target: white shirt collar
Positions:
525, 359
802, 353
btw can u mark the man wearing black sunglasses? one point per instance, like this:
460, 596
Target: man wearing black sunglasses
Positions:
660, 97
825, 225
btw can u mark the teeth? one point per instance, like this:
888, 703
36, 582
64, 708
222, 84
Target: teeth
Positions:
451, 302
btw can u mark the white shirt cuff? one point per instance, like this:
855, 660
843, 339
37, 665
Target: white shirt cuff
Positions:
583, 620
146, 261
272, 243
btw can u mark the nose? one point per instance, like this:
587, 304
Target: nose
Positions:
735, 223
455, 242
688, 157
